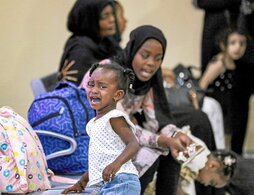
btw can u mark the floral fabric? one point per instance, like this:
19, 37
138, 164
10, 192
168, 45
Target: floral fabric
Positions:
22, 160
149, 133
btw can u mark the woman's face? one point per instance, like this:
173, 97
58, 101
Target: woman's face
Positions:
107, 22
236, 46
148, 59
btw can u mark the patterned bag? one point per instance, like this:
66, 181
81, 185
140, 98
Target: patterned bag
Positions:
23, 166
65, 111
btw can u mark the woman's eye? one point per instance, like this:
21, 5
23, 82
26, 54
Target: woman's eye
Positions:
243, 43
231, 42
158, 58
103, 17
103, 87
144, 55
106, 16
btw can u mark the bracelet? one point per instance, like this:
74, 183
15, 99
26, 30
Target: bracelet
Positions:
80, 184
174, 133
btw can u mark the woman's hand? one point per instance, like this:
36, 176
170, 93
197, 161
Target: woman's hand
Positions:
176, 144
184, 139
65, 73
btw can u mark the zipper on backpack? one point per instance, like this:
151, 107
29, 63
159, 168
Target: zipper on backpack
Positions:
52, 115
75, 132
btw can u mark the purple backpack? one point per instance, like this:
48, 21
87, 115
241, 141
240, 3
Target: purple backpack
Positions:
65, 111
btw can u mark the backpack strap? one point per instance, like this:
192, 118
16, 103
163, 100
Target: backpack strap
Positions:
63, 84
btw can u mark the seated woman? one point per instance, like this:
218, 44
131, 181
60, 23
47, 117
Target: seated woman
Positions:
148, 106
92, 23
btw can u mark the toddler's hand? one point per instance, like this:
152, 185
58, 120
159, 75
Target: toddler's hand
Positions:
77, 188
109, 172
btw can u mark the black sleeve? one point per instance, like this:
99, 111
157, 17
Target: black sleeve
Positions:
83, 58
217, 4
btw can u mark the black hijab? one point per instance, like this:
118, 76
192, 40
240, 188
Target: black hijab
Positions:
137, 38
83, 19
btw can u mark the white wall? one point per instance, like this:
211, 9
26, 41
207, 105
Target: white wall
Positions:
33, 33
32, 36
180, 22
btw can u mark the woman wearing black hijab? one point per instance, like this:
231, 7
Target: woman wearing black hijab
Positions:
92, 23
148, 106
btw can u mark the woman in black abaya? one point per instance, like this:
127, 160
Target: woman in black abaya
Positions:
92, 23
148, 106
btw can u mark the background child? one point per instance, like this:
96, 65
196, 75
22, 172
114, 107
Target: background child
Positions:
232, 43
112, 139
219, 75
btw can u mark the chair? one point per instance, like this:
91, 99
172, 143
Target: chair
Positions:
44, 84
63, 181
68, 151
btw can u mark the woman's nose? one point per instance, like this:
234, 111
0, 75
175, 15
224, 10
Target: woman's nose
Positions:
111, 18
150, 62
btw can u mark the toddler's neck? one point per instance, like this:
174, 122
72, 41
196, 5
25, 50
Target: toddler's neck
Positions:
227, 61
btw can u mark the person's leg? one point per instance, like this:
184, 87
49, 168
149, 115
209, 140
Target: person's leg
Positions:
240, 100
122, 184
148, 176
167, 176
239, 124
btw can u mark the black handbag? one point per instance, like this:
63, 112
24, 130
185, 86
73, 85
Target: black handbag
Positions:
186, 91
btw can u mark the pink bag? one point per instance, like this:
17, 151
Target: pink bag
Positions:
23, 166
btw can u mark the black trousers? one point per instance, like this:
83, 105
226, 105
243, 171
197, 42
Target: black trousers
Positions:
242, 91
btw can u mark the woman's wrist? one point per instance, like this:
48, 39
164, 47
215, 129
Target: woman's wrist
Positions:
162, 140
